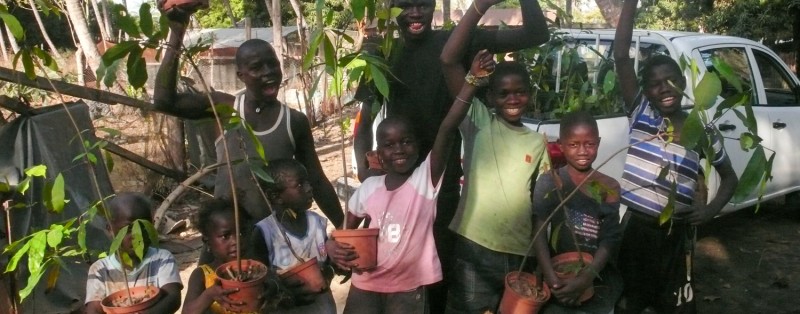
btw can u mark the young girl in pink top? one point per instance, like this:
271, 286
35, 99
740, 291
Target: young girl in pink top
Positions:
402, 204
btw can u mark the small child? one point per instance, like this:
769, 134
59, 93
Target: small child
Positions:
158, 268
502, 158
656, 260
593, 225
402, 204
292, 229
204, 294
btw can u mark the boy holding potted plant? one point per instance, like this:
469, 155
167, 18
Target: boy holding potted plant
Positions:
587, 223
655, 259
158, 267
292, 237
502, 158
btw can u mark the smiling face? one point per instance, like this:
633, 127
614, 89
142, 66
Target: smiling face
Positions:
579, 144
510, 95
416, 18
221, 238
297, 193
658, 90
397, 147
259, 69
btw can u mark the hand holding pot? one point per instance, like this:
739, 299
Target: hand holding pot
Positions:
300, 293
220, 295
342, 254
568, 291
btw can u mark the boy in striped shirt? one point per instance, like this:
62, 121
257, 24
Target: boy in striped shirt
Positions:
655, 259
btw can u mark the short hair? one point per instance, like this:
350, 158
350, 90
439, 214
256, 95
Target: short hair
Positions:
210, 208
137, 205
577, 118
397, 120
277, 169
507, 68
655, 61
249, 45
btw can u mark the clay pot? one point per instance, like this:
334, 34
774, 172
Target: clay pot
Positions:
523, 294
561, 260
250, 290
365, 242
373, 160
185, 4
147, 296
309, 273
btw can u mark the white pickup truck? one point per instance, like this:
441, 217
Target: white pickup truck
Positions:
775, 100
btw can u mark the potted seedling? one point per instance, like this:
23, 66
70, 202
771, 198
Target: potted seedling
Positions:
307, 270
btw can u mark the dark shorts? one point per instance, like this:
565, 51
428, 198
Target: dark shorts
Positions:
367, 302
478, 277
656, 265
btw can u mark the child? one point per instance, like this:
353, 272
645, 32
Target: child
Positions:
402, 204
501, 159
292, 229
655, 260
593, 225
204, 293
158, 268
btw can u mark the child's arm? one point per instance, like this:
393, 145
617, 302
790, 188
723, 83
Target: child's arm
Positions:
305, 153
727, 186
456, 46
543, 253
626, 74
170, 301
165, 96
93, 307
342, 254
199, 299
532, 33
543, 201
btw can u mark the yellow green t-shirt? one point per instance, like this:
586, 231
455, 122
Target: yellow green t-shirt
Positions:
501, 161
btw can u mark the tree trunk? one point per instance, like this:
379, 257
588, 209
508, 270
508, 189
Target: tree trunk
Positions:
228, 9
445, 12
3, 46
101, 24
274, 10
12, 41
46, 36
796, 36
75, 13
305, 77
107, 21
610, 9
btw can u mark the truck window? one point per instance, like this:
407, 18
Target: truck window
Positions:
736, 58
778, 86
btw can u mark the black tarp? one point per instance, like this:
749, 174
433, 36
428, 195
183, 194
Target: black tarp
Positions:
49, 137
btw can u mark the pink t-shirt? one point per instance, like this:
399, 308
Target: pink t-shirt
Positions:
407, 255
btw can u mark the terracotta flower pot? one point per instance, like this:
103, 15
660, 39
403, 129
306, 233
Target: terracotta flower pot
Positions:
365, 242
523, 294
144, 297
566, 266
309, 273
198, 4
249, 290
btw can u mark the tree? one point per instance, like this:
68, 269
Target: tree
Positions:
46, 37
274, 9
610, 9
81, 28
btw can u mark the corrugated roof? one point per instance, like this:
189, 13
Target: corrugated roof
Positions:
231, 37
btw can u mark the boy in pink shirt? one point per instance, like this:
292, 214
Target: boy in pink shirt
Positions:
402, 204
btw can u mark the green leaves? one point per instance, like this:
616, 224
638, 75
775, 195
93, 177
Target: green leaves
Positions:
12, 23
693, 129
54, 195
753, 174
666, 213
706, 92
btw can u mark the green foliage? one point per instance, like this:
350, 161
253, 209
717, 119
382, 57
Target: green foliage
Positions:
144, 34
566, 79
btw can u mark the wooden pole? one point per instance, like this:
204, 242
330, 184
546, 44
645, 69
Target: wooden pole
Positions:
89, 93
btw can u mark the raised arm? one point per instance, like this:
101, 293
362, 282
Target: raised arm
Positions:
305, 153
456, 46
166, 98
532, 33
483, 62
622, 59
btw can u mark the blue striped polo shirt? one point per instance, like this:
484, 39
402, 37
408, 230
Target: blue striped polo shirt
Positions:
642, 190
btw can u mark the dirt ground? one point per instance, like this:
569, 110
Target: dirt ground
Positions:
746, 262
